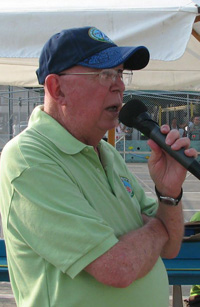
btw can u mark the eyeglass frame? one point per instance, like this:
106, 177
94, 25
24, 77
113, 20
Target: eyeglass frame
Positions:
117, 74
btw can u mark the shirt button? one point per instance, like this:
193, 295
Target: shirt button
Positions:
98, 170
86, 149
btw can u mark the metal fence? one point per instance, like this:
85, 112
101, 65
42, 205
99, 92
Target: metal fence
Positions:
180, 110
16, 105
164, 106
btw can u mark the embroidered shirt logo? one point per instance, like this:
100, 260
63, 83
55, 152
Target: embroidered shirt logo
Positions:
99, 36
127, 185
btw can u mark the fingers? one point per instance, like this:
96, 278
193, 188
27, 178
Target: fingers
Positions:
185, 143
180, 143
174, 140
165, 129
171, 135
191, 152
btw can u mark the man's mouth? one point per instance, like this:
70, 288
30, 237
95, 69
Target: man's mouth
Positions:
113, 108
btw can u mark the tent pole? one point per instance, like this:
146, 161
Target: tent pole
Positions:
111, 137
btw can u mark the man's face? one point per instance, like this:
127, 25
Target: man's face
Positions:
197, 121
91, 106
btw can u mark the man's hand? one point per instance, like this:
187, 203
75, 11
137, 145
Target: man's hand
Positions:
168, 174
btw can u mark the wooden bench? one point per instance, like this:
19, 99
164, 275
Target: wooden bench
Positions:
4, 275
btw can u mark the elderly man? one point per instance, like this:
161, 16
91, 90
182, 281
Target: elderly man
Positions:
78, 227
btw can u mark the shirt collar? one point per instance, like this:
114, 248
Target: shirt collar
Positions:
57, 134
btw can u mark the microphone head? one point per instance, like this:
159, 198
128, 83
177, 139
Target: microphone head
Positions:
130, 111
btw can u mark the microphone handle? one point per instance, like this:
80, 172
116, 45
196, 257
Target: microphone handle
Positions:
153, 132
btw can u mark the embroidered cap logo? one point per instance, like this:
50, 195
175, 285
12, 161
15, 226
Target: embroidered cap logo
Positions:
99, 36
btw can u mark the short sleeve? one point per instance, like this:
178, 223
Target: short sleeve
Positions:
56, 221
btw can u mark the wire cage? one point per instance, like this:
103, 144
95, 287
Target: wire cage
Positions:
16, 105
177, 109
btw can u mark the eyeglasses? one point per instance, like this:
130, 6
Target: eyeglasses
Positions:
107, 76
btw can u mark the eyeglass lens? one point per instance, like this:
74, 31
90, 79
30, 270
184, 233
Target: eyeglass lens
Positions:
109, 76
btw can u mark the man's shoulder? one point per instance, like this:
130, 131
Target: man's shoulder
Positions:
10, 149
23, 151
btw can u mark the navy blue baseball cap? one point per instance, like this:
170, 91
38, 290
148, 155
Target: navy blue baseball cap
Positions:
87, 47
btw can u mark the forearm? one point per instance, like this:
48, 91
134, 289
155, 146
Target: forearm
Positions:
132, 257
172, 218
168, 176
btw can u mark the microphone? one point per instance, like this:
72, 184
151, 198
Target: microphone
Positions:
134, 114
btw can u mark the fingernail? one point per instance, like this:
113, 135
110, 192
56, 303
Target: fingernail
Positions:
174, 146
167, 141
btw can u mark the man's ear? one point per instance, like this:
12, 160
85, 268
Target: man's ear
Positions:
53, 86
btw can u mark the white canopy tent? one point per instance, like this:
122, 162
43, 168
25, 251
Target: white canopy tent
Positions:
163, 26
182, 74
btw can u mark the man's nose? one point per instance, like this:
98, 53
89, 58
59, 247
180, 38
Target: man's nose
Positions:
120, 84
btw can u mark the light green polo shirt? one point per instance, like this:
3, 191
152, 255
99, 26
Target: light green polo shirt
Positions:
61, 209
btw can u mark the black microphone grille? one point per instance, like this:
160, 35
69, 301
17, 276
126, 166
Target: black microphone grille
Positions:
130, 111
